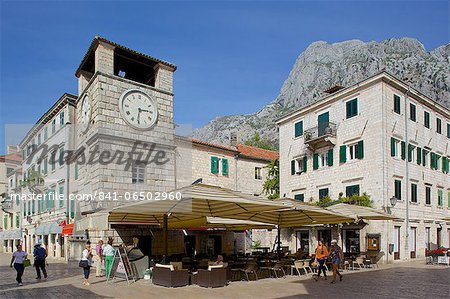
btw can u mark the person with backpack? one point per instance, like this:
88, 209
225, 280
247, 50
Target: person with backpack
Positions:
40, 254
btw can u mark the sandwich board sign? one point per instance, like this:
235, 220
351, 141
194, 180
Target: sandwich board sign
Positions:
121, 267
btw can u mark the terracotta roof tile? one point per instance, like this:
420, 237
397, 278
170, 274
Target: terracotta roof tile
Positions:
255, 152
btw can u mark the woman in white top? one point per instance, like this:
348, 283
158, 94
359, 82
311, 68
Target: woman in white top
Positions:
108, 253
18, 257
86, 261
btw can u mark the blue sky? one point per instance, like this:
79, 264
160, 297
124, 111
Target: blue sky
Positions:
232, 57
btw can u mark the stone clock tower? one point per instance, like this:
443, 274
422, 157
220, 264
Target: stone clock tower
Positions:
124, 109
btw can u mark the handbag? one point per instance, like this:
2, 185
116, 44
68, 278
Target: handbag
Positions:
26, 263
83, 264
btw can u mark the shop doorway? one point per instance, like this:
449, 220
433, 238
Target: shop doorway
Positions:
214, 245
325, 234
352, 241
303, 241
396, 235
189, 246
413, 242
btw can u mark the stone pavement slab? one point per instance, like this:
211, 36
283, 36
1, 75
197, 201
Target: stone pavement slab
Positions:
404, 280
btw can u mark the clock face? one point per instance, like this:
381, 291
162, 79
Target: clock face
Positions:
85, 113
138, 109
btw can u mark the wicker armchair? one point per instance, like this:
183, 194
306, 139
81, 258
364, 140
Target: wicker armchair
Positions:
211, 278
166, 276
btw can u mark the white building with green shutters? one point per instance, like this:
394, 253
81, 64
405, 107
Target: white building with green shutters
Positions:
380, 137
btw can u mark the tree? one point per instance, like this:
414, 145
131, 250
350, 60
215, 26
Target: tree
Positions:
272, 184
263, 143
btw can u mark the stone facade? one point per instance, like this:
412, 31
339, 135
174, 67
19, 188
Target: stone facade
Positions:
365, 135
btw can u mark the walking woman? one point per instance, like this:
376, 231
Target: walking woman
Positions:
336, 259
86, 262
18, 258
321, 258
108, 252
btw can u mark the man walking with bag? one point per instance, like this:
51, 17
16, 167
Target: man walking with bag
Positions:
40, 254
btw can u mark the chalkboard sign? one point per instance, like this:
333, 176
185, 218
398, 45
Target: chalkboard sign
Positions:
121, 266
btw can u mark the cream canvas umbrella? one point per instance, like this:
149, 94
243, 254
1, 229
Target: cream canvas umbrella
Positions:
220, 223
196, 201
295, 214
359, 212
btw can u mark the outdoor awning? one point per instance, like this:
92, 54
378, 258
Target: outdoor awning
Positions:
48, 228
11, 234
295, 214
67, 229
360, 212
197, 201
446, 218
218, 222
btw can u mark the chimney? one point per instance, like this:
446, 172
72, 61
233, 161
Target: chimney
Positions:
233, 138
334, 89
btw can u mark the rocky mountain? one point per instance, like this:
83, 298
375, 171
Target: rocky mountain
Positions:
324, 65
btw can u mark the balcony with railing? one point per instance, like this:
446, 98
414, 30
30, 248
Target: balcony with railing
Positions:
320, 136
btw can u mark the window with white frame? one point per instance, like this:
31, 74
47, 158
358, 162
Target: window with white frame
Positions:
323, 159
298, 165
352, 151
138, 173
258, 174
53, 126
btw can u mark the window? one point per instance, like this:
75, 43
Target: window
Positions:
61, 196
299, 197
424, 157
45, 166
72, 209
214, 165
411, 151
438, 125
352, 108
413, 192
298, 129
39, 139
323, 192
448, 130
398, 189
45, 133
412, 112
426, 119
353, 151
397, 105
61, 156
258, 175
299, 165
61, 118
323, 159
352, 190
428, 195
138, 173
53, 126
448, 199
394, 147
440, 197
76, 170
53, 160
224, 167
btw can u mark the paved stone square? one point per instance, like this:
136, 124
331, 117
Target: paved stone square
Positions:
405, 280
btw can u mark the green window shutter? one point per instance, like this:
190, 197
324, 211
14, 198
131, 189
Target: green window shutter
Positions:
448, 199
330, 157
214, 165
352, 108
76, 170
61, 191
398, 189
17, 220
393, 147
299, 197
72, 208
403, 153
225, 167
413, 192
410, 152
427, 119
360, 152
305, 163
432, 160
298, 127
424, 153
343, 154
292, 167
315, 161
419, 156
440, 198
396, 104
33, 211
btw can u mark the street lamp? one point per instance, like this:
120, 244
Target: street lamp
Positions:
393, 201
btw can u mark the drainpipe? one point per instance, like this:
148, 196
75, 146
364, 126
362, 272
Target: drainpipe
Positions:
407, 172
